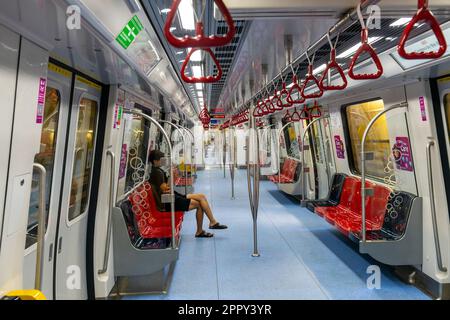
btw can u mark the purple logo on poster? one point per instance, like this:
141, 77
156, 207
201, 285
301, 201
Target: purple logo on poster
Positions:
41, 101
340, 150
123, 161
402, 154
422, 108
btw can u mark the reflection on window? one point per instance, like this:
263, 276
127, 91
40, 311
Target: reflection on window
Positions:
45, 157
292, 143
83, 158
358, 118
136, 140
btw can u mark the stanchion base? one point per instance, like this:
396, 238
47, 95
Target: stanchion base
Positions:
303, 203
256, 255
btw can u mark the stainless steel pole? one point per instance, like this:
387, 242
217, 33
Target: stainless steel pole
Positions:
41, 225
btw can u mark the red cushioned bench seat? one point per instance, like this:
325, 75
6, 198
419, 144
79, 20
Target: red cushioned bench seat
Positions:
287, 174
347, 215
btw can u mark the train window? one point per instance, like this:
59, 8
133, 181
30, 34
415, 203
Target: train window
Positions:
45, 157
358, 117
83, 158
290, 136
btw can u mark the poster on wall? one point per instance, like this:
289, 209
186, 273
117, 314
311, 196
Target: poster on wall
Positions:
41, 101
340, 150
123, 161
402, 154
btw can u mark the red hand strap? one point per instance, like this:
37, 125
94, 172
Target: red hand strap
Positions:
330, 66
298, 89
283, 101
257, 113
365, 47
425, 15
296, 116
304, 115
311, 78
200, 40
287, 117
204, 79
276, 101
315, 111
269, 106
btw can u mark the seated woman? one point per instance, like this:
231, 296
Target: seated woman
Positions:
158, 180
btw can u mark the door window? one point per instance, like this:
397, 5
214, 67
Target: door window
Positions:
45, 157
83, 158
447, 111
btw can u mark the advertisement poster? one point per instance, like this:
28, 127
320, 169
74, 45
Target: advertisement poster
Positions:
41, 101
123, 161
402, 154
423, 110
340, 150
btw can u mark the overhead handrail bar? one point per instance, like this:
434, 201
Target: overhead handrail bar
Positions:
437, 243
303, 184
169, 144
363, 162
339, 27
112, 181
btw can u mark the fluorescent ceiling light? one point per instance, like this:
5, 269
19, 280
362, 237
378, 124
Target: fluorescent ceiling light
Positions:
400, 22
197, 71
196, 56
199, 86
320, 69
180, 52
173, 29
391, 38
353, 49
290, 86
165, 11
186, 10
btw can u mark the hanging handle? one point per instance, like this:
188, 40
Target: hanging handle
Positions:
315, 112
284, 101
332, 64
304, 115
296, 117
202, 79
200, 40
311, 78
296, 88
425, 15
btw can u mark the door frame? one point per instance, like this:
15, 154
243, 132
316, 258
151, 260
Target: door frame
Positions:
440, 125
95, 178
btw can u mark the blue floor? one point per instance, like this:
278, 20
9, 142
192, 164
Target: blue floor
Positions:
302, 256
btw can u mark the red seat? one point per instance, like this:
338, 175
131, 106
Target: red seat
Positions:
151, 222
287, 174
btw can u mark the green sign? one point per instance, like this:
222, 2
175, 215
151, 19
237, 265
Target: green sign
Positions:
130, 32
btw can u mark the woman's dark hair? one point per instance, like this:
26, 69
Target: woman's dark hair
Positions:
155, 155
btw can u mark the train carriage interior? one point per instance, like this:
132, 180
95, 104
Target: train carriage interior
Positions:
277, 150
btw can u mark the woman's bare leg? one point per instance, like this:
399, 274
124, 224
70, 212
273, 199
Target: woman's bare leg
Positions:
198, 215
201, 198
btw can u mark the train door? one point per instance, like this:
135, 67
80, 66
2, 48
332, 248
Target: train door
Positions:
443, 116
51, 157
75, 193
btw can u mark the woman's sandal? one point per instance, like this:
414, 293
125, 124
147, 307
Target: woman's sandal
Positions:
218, 226
204, 234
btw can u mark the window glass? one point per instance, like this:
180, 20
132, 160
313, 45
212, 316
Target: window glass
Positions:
45, 157
358, 118
83, 158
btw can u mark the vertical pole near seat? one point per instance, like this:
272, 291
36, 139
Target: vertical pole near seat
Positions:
224, 155
169, 144
303, 184
363, 162
41, 226
232, 158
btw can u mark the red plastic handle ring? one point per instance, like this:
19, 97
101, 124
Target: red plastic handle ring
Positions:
425, 15
276, 101
269, 106
296, 117
283, 99
330, 66
298, 89
200, 40
304, 115
204, 79
365, 47
315, 111
287, 117
311, 78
